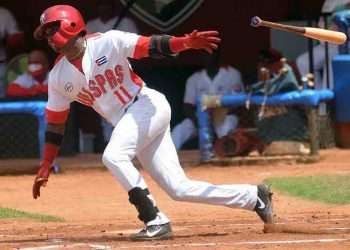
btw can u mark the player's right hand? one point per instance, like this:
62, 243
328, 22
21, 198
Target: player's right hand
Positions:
41, 178
207, 40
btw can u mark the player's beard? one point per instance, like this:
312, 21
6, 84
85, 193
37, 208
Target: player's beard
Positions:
73, 49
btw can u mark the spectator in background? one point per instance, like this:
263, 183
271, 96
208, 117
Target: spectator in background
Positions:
215, 79
34, 81
302, 61
10, 38
108, 20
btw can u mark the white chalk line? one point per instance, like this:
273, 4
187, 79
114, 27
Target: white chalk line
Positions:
67, 246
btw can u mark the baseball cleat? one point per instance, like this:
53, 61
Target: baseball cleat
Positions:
264, 204
153, 232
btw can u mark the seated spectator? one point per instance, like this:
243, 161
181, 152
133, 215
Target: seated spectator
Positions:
319, 56
33, 83
215, 79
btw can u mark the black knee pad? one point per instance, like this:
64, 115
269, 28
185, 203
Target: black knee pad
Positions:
147, 211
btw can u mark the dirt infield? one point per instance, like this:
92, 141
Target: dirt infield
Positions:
98, 216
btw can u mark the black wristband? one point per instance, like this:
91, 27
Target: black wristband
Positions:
159, 46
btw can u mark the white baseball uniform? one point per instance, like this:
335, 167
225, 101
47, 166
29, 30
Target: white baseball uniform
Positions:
141, 117
8, 26
227, 81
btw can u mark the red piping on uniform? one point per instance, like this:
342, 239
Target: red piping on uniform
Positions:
59, 57
78, 63
93, 35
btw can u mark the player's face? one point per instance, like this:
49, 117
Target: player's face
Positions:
69, 48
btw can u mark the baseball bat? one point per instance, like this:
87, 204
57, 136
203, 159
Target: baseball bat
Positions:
330, 36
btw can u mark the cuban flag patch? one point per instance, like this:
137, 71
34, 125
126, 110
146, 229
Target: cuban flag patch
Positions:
101, 60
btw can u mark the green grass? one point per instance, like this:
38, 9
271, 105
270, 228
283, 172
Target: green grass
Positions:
7, 213
329, 189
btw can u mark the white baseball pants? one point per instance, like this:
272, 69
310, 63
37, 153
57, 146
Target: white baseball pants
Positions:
144, 132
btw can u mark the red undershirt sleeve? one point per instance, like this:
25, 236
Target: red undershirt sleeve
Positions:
142, 47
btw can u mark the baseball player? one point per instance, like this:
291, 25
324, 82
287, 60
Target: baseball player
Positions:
94, 70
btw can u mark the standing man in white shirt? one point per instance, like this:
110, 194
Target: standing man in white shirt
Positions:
215, 79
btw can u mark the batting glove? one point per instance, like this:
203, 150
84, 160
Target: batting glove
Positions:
41, 178
207, 40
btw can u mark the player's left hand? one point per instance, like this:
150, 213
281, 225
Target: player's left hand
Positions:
41, 178
207, 40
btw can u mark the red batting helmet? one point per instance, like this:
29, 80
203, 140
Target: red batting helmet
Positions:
69, 20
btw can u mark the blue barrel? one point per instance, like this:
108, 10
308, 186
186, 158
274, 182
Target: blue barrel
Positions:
341, 72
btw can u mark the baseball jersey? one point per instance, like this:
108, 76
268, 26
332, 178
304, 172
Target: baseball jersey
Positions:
105, 82
8, 26
96, 25
227, 81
